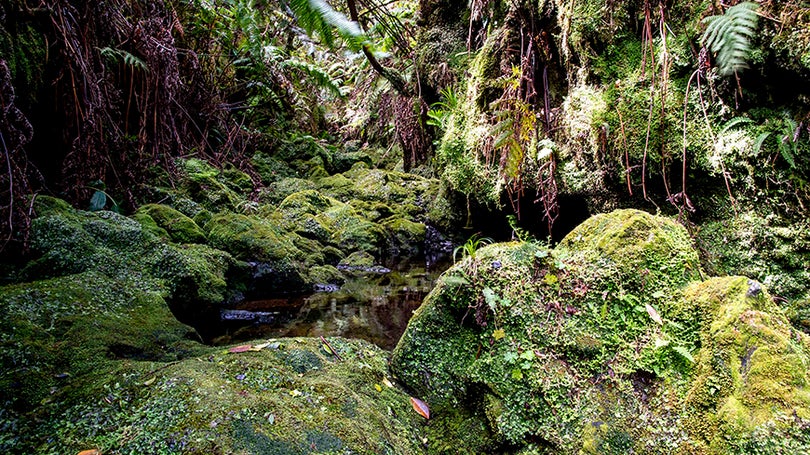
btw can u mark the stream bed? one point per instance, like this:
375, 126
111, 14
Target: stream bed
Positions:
372, 305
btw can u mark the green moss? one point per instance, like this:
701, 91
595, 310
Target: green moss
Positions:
287, 398
60, 331
751, 368
305, 202
209, 187
636, 245
47, 205
150, 225
592, 347
271, 169
236, 179
67, 241
405, 238
250, 238
770, 249
180, 228
324, 274
351, 232
337, 186
358, 259
277, 191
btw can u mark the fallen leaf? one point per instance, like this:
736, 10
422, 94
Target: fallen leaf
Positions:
420, 407
241, 348
150, 381
90, 452
377, 386
653, 314
388, 383
259, 347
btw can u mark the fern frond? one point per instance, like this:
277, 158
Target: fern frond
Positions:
736, 121
122, 56
319, 17
729, 36
317, 76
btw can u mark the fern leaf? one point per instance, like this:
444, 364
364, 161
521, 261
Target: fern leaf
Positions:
317, 76
729, 36
759, 141
786, 153
736, 121
319, 17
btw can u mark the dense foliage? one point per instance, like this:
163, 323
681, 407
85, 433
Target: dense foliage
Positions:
164, 161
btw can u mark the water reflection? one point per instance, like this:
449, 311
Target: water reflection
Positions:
374, 307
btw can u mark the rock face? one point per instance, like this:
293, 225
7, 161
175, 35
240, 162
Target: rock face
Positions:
609, 343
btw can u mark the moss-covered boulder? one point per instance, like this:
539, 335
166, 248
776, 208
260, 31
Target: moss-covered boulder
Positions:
770, 249
210, 187
178, 227
278, 262
751, 376
630, 249
291, 396
404, 237
598, 346
65, 241
58, 332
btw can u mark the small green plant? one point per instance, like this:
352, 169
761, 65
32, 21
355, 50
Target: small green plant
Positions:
518, 232
439, 112
729, 36
126, 58
471, 246
785, 131
99, 198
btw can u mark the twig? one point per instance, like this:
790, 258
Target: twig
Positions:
10, 193
626, 152
714, 140
331, 348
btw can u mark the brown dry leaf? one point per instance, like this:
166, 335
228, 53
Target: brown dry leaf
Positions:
90, 452
240, 348
420, 407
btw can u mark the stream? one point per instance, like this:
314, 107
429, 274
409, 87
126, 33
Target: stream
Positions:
375, 306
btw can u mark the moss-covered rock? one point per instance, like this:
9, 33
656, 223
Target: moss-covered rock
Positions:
58, 332
278, 262
405, 238
751, 372
277, 191
249, 238
598, 346
212, 188
290, 397
67, 241
350, 231
770, 249
179, 227
633, 248
270, 168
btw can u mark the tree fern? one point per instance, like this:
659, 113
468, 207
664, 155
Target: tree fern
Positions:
729, 36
